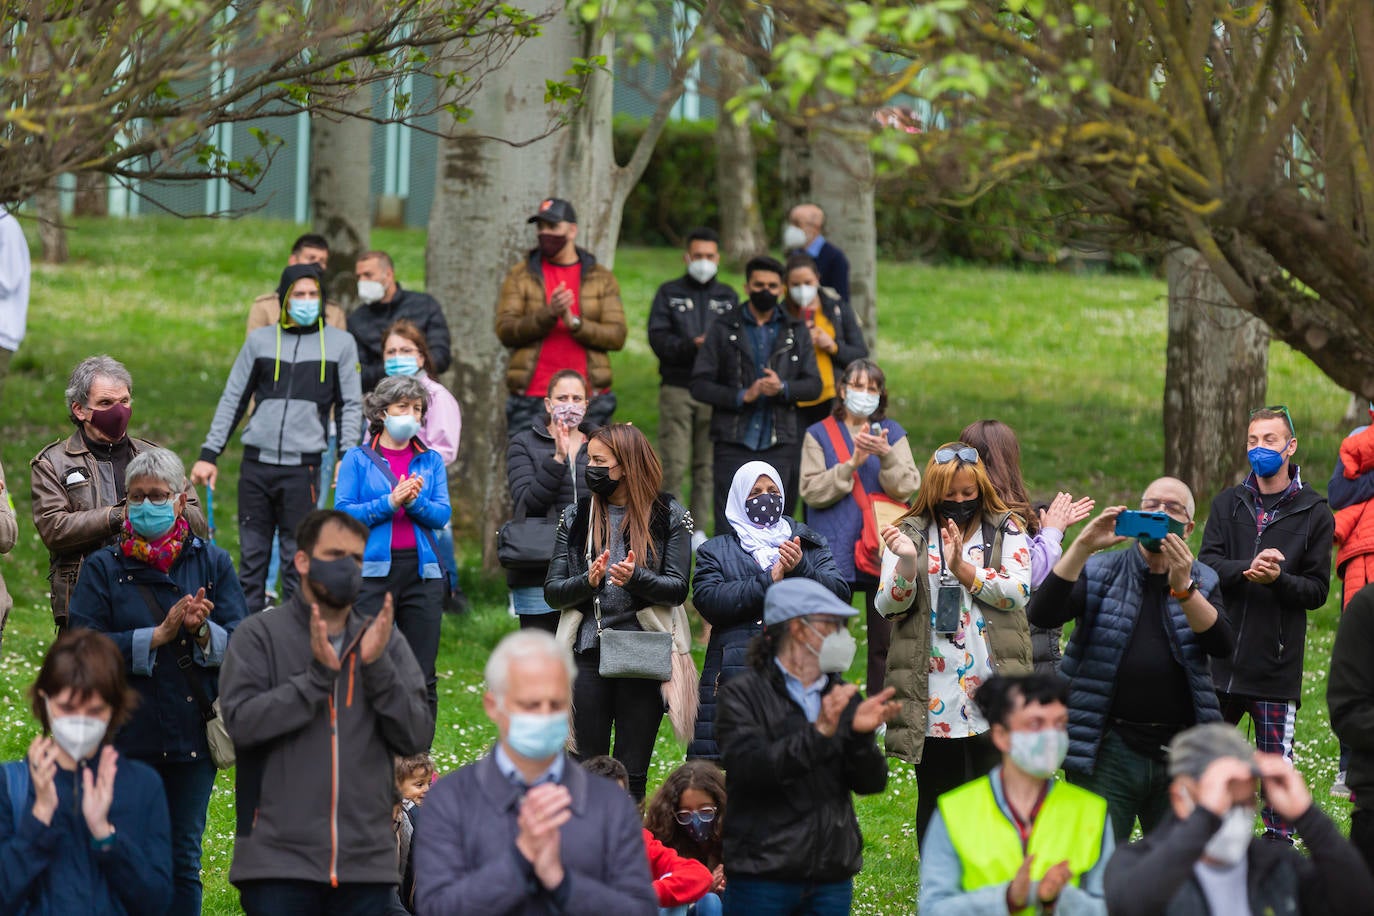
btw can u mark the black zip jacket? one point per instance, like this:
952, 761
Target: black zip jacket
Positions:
725, 367
367, 323
659, 580
540, 486
682, 311
791, 815
1154, 876
1269, 621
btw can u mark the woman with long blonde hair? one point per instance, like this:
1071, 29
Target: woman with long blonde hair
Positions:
621, 561
956, 579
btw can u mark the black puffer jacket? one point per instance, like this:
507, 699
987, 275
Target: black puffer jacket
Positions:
728, 591
660, 581
540, 486
791, 815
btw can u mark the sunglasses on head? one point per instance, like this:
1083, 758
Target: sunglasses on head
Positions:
965, 453
1279, 409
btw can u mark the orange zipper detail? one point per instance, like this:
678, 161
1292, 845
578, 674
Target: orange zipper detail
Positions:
352, 665
333, 794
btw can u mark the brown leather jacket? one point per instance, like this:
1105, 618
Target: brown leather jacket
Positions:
9, 534
523, 320
77, 511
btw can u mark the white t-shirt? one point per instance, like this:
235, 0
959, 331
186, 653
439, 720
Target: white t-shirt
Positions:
1224, 887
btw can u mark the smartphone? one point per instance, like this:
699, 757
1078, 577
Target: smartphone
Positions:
1148, 525
876, 429
949, 601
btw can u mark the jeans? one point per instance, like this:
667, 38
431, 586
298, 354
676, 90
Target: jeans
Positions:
946, 764
633, 705
443, 539
1133, 785
327, 460
187, 787
272, 498
419, 607
313, 898
709, 905
684, 440
273, 568
755, 897
728, 457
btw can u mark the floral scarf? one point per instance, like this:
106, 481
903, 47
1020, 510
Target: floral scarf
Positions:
160, 553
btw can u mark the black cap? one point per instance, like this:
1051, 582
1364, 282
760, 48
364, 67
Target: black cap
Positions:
294, 272
554, 210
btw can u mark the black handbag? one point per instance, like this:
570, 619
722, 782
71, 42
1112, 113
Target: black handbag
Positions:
526, 543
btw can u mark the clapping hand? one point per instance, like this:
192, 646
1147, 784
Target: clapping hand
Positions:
597, 570
406, 489
1265, 568
953, 540
1063, 512
621, 572
320, 647
42, 771
866, 444
833, 703
789, 555
97, 792
821, 340
378, 633
543, 811
769, 383
198, 609
876, 710
1054, 882
561, 300
167, 631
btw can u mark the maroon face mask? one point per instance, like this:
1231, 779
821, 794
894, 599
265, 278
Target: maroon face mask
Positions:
113, 421
550, 244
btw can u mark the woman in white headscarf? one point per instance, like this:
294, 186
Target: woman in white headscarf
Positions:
733, 572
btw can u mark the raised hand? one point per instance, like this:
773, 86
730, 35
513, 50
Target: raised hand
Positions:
1180, 557
167, 631
1283, 786
899, 543
97, 792
1215, 788
320, 647
953, 540
378, 633
42, 772
1054, 882
597, 570
1101, 531
621, 572
876, 710
198, 610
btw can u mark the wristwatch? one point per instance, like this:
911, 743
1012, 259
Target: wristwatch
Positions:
575, 323
1186, 593
204, 630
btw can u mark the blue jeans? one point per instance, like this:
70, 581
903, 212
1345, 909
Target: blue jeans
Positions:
706, 906
187, 787
754, 897
327, 472
444, 539
1133, 785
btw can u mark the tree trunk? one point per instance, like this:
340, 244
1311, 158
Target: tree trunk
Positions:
794, 169
741, 223
92, 195
340, 192
1218, 358
842, 185
51, 232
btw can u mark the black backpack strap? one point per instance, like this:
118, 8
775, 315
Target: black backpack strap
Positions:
385, 468
189, 670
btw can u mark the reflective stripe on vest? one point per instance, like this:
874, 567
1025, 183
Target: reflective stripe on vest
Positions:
1069, 827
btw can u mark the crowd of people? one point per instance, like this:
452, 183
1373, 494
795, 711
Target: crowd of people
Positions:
310, 665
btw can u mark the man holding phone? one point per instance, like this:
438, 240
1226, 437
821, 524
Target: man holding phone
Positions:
1269, 539
1137, 664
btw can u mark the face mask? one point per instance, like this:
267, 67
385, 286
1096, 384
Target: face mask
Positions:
535, 736
793, 237
764, 510
763, 301
1232, 839
568, 414
401, 428
336, 582
861, 403
697, 829
551, 244
113, 421
803, 294
1265, 461
370, 291
1154, 545
79, 736
1040, 753
701, 270
599, 481
836, 653
961, 512
150, 520
402, 365
304, 312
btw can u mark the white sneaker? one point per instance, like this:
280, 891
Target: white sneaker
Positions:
698, 538
1339, 789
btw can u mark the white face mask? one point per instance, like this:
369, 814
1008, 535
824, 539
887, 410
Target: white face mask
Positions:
1040, 753
702, 270
793, 237
837, 650
803, 294
861, 403
79, 736
1232, 839
370, 291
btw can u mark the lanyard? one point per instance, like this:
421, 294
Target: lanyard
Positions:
1024, 828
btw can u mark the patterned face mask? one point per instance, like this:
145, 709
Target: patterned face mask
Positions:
764, 510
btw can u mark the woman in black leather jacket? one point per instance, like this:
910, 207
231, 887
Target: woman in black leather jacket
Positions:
625, 552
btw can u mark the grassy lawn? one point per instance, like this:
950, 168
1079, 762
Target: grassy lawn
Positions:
1074, 364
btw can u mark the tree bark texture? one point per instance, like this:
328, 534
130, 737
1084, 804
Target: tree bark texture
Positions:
52, 234
842, 185
741, 222
340, 192
794, 170
1216, 373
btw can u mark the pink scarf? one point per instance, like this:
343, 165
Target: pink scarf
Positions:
160, 553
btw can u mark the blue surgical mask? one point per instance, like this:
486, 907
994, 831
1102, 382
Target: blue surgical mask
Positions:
152, 520
1265, 461
304, 312
402, 428
535, 736
402, 365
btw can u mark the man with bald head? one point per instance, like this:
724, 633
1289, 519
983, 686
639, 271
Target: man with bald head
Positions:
1147, 618
803, 233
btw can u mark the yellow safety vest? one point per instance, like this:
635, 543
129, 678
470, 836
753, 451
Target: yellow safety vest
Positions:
1068, 827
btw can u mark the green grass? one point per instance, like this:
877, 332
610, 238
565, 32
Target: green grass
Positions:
1074, 364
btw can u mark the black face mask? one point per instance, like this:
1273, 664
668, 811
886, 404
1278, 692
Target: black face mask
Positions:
599, 481
336, 582
763, 301
961, 512
551, 244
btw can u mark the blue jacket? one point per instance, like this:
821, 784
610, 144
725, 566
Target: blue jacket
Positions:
166, 726
53, 871
363, 493
1104, 626
728, 590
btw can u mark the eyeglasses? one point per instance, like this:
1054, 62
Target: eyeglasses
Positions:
1279, 409
157, 499
1168, 505
705, 814
965, 453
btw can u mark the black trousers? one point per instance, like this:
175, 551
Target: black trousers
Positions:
271, 497
729, 457
879, 632
634, 706
946, 764
1362, 834
419, 607
546, 622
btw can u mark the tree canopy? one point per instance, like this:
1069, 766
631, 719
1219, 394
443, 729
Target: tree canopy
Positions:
1242, 129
